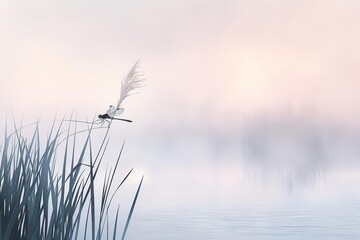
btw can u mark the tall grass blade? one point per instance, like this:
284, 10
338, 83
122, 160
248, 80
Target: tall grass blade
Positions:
131, 210
115, 225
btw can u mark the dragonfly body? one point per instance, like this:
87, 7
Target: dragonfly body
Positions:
104, 116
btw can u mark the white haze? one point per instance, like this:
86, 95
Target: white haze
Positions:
218, 75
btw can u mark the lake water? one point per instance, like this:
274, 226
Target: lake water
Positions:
335, 221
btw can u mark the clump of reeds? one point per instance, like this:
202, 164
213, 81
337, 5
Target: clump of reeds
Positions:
36, 202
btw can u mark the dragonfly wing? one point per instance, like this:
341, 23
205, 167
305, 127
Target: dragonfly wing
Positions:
118, 112
111, 111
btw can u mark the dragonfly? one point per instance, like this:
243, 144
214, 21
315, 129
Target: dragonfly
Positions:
111, 114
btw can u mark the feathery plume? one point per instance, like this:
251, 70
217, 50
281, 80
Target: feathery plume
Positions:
132, 81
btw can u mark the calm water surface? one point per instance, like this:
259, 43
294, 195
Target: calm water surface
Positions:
336, 221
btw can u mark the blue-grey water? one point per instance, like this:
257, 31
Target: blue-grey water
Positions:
335, 221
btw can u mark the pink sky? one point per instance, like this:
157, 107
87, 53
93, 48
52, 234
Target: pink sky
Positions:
215, 57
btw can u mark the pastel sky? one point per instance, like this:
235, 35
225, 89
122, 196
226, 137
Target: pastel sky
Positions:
209, 64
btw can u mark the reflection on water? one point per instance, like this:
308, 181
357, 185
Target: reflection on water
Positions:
329, 222
298, 151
